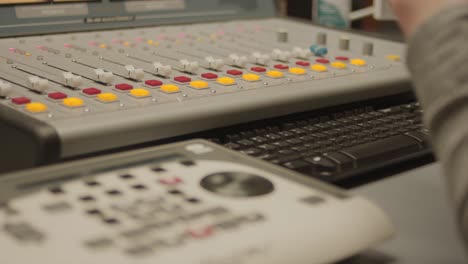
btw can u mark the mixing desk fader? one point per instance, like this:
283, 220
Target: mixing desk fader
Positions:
67, 95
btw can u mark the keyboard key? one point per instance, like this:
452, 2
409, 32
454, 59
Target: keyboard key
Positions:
322, 166
382, 150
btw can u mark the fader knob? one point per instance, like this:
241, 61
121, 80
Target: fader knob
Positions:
344, 43
103, 76
72, 80
368, 49
261, 59
5, 89
162, 70
301, 53
236, 60
189, 66
135, 74
282, 35
281, 55
215, 64
38, 84
322, 39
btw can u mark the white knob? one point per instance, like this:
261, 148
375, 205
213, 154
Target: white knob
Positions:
38, 84
215, 64
5, 89
103, 76
72, 80
189, 66
135, 74
301, 53
281, 55
259, 58
162, 70
236, 60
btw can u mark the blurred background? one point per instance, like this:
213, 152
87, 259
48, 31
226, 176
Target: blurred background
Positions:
336, 13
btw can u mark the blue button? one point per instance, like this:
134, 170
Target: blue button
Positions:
318, 50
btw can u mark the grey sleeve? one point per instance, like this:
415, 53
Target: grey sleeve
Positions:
438, 61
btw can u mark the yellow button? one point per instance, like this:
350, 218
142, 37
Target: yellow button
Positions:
250, 77
27, 54
319, 68
274, 74
297, 71
226, 81
73, 102
107, 97
149, 41
170, 88
139, 92
199, 84
126, 43
103, 46
358, 62
35, 107
338, 65
394, 57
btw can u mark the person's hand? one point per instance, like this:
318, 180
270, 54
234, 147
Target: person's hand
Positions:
413, 13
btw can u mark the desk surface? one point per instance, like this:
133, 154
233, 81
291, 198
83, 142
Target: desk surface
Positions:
418, 204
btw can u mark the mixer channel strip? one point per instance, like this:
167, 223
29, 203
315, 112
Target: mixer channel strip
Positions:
337, 147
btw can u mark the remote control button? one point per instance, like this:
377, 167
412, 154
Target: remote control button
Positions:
73, 102
226, 81
36, 107
237, 184
170, 88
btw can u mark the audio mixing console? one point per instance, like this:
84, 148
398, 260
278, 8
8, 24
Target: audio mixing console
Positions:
67, 95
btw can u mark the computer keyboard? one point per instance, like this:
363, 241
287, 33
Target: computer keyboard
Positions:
337, 146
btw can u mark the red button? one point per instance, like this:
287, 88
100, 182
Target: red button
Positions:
91, 91
123, 87
57, 96
209, 76
202, 233
303, 63
234, 72
322, 61
258, 69
182, 79
153, 83
281, 67
20, 100
172, 181
342, 58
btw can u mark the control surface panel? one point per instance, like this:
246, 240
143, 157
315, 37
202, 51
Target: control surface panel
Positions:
97, 91
191, 202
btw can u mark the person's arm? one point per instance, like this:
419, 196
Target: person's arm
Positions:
438, 61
